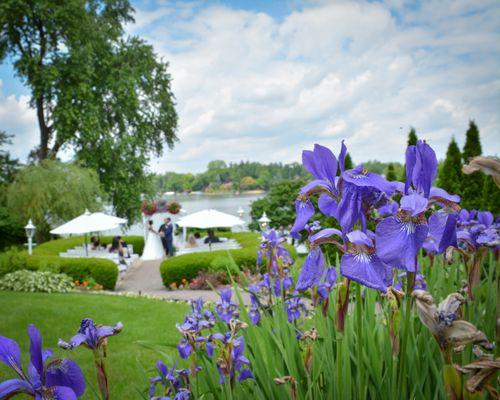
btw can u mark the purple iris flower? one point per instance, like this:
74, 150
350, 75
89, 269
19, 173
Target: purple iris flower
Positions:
477, 229
254, 311
323, 166
233, 363
327, 283
442, 232
360, 191
225, 307
400, 237
295, 307
314, 264
421, 168
90, 335
46, 379
172, 381
272, 247
361, 263
312, 270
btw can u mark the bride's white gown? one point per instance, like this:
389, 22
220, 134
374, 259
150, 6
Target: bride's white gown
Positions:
153, 249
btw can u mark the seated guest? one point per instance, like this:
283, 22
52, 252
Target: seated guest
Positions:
191, 242
94, 243
211, 237
197, 235
124, 246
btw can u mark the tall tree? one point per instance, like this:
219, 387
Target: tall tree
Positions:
348, 164
490, 198
411, 141
412, 137
11, 232
472, 185
52, 192
450, 174
391, 175
95, 91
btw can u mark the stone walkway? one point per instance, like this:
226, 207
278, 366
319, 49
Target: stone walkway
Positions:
144, 278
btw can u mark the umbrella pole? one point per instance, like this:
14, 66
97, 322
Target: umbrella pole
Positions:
86, 247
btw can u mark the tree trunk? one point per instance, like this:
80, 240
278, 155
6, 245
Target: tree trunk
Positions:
43, 152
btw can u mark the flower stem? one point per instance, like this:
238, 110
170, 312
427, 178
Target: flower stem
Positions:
102, 378
402, 379
359, 342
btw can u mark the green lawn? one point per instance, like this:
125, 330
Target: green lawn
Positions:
59, 315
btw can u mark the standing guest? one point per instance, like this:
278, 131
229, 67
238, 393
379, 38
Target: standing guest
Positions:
167, 230
116, 247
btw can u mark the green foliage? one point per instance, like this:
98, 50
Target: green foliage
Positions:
472, 185
8, 165
103, 271
279, 204
52, 192
450, 173
97, 90
188, 265
36, 281
11, 232
391, 174
220, 176
490, 196
248, 183
223, 264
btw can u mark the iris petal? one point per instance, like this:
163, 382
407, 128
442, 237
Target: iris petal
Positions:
312, 270
365, 269
398, 242
66, 373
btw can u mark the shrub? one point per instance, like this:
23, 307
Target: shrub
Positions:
12, 260
189, 265
223, 264
104, 272
36, 281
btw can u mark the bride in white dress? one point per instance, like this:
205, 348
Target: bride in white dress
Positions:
153, 249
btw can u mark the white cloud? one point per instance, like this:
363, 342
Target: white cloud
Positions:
19, 120
253, 86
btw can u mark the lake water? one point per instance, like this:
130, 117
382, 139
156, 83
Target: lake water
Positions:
191, 203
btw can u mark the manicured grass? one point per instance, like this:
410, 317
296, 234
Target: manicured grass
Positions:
150, 322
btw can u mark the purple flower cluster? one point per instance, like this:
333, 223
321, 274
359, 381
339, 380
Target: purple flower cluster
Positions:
357, 197
174, 383
477, 229
46, 377
225, 307
195, 322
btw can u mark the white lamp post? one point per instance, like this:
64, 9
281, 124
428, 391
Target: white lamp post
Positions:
264, 222
240, 212
30, 231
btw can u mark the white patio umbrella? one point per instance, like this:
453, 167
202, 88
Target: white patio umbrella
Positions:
89, 222
208, 218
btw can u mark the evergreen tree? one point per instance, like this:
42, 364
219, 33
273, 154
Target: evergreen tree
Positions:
450, 174
348, 164
472, 185
412, 137
391, 175
412, 141
491, 196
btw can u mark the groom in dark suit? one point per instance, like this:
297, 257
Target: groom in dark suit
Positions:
166, 229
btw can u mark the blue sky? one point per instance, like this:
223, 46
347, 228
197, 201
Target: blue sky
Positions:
263, 80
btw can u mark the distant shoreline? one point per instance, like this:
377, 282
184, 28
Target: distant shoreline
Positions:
196, 193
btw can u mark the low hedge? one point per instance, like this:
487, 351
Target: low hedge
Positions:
188, 265
104, 272
54, 247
